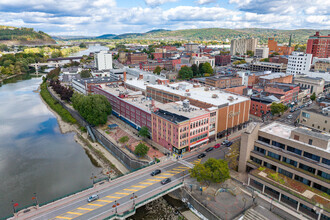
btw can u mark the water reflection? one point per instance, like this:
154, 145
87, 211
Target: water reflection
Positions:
34, 155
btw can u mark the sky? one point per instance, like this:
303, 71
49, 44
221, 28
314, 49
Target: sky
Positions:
97, 17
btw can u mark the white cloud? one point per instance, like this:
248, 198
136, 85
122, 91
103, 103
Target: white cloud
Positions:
205, 2
157, 2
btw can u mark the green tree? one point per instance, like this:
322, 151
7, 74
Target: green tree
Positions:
278, 108
82, 45
157, 70
195, 70
144, 132
313, 97
141, 149
264, 60
185, 73
212, 170
85, 74
207, 68
123, 139
250, 53
200, 69
93, 108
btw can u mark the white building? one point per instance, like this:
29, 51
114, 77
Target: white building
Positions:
241, 46
103, 60
261, 52
203, 59
299, 63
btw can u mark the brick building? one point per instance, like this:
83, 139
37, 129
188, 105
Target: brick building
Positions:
223, 81
286, 93
136, 58
281, 50
275, 77
222, 59
260, 104
318, 45
279, 59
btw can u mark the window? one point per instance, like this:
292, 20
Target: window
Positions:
323, 174
265, 140
303, 180
289, 161
285, 173
277, 144
305, 115
322, 188
294, 150
259, 149
312, 156
273, 155
307, 168
326, 161
256, 160
296, 137
270, 166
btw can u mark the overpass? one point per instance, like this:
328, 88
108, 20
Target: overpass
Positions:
36, 65
119, 198
64, 58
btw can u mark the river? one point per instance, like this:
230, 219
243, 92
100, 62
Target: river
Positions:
34, 156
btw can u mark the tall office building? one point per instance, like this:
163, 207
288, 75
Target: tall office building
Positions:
318, 45
103, 60
241, 46
299, 62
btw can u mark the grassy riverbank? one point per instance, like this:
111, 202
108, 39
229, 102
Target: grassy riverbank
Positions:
65, 115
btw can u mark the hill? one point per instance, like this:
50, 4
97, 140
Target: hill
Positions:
23, 36
106, 36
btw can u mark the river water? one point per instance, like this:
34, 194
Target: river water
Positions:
34, 156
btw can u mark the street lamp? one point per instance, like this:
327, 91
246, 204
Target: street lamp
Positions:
133, 198
93, 177
115, 206
35, 198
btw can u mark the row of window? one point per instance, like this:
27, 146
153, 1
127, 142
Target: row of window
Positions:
199, 123
198, 138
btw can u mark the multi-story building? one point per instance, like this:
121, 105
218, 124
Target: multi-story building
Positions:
230, 112
84, 85
314, 84
285, 92
264, 66
103, 60
241, 46
279, 59
198, 60
222, 59
289, 164
223, 81
261, 52
180, 127
315, 119
321, 64
136, 58
281, 50
191, 47
299, 62
260, 104
275, 78
318, 45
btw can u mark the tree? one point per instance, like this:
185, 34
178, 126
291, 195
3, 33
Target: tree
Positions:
93, 108
278, 108
85, 74
250, 53
185, 73
200, 69
207, 68
264, 60
313, 97
195, 70
82, 45
144, 132
212, 170
123, 139
157, 70
141, 149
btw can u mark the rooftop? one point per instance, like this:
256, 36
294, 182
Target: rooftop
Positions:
212, 96
179, 109
96, 80
274, 76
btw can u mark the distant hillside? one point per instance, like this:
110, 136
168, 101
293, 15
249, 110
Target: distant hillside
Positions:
23, 36
106, 36
282, 36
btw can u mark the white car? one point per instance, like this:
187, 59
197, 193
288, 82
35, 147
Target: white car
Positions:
92, 198
289, 116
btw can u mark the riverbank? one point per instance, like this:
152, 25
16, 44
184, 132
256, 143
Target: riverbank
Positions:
9, 77
93, 150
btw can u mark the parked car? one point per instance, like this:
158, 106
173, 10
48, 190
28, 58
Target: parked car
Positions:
209, 149
165, 181
289, 116
155, 172
201, 155
292, 110
229, 143
92, 198
216, 146
225, 142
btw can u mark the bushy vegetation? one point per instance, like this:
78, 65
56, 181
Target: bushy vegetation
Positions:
53, 104
204, 69
93, 108
64, 92
23, 34
144, 132
141, 149
278, 108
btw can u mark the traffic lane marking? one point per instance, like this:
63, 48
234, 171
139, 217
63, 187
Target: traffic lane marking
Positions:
75, 213
85, 209
114, 197
122, 193
134, 190
102, 200
140, 186
95, 204
63, 217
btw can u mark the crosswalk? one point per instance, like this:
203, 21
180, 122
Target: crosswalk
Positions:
127, 191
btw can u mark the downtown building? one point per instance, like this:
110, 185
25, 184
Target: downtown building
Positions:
318, 46
299, 62
289, 164
103, 60
241, 46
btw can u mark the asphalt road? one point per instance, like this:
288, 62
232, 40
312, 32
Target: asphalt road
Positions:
120, 192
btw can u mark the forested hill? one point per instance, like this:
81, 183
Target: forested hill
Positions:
23, 36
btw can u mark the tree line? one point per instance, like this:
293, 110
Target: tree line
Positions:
204, 69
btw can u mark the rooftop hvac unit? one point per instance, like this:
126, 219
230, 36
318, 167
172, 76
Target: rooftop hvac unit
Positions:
206, 89
188, 94
186, 103
214, 96
230, 98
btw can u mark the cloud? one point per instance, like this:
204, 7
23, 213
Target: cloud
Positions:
157, 2
205, 2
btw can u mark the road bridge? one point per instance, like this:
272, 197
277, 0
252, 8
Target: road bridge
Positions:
64, 59
52, 64
119, 198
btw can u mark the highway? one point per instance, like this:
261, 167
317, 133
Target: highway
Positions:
120, 191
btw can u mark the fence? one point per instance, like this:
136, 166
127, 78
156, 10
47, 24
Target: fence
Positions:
130, 163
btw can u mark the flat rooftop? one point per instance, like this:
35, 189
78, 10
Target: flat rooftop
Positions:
278, 129
215, 97
96, 80
177, 108
274, 75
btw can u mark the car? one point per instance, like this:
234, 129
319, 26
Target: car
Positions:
224, 142
229, 143
216, 146
165, 181
92, 198
155, 172
289, 116
292, 110
201, 155
209, 149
